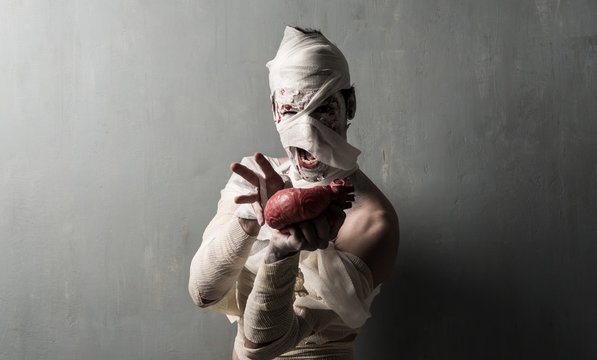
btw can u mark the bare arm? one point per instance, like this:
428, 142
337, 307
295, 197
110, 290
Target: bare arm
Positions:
371, 232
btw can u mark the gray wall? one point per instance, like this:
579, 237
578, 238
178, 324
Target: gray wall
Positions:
118, 120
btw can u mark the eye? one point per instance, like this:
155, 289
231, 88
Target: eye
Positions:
288, 112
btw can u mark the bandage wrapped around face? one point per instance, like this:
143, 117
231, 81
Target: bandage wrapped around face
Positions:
311, 63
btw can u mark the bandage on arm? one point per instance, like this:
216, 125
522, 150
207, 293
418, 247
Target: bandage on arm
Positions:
272, 324
221, 256
275, 322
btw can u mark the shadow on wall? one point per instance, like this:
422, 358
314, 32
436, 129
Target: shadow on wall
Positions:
425, 311
419, 315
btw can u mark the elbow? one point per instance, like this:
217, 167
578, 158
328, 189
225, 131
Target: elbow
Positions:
200, 302
197, 295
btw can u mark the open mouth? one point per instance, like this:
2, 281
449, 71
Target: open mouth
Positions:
306, 159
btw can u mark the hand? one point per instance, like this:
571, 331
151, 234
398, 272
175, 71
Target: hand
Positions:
266, 187
308, 235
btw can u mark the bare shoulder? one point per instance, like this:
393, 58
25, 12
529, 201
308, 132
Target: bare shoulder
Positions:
371, 229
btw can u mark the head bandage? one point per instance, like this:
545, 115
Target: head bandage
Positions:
311, 62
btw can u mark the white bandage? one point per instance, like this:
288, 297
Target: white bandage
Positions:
270, 320
312, 62
269, 312
216, 265
277, 323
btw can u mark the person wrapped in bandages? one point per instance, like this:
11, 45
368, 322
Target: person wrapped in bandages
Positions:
303, 291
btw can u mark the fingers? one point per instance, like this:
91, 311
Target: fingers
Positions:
302, 238
246, 199
273, 180
265, 165
284, 242
322, 227
310, 235
348, 198
348, 189
266, 186
336, 217
245, 173
258, 212
295, 239
307, 235
314, 234
345, 205
252, 199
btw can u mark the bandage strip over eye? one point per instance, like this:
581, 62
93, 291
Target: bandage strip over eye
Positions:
287, 102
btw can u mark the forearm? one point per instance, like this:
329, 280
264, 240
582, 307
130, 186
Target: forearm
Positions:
217, 263
271, 325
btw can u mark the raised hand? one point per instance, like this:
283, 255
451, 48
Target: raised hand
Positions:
266, 186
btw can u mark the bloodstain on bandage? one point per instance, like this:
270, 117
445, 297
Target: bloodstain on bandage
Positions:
288, 102
289, 206
277, 115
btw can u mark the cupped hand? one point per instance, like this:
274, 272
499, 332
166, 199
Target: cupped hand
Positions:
308, 235
266, 186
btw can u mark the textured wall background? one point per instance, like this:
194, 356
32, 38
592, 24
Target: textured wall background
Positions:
118, 120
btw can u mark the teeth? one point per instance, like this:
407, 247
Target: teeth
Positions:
305, 155
306, 160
